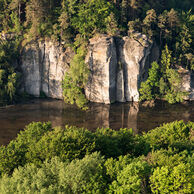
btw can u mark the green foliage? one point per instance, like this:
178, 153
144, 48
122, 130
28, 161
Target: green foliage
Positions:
166, 60
8, 76
132, 178
68, 144
84, 176
54, 176
172, 180
43, 179
40, 142
76, 79
176, 135
115, 143
114, 166
164, 81
173, 92
90, 17
149, 88
46, 160
112, 26
13, 155
170, 157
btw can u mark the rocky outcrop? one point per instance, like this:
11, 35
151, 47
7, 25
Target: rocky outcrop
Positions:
117, 66
102, 61
43, 66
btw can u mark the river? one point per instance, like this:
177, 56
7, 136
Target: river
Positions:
119, 115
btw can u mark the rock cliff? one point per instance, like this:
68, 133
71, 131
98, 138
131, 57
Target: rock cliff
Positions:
117, 67
43, 66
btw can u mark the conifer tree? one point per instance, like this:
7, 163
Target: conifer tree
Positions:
112, 26
162, 23
149, 22
166, 59
124, 12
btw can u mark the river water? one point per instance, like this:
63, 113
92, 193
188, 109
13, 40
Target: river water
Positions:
118, 115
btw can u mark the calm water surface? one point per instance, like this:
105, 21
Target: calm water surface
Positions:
119, 115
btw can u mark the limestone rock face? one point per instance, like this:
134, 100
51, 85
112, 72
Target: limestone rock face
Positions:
102, 62
43, 66
117, 66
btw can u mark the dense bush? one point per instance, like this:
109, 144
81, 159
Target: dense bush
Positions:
14, 154
47, 160
178, 179
54, 176
176, 135
132, 179
68, 144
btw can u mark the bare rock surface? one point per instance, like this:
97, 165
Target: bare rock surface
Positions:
43, 66
102, 62
117, 67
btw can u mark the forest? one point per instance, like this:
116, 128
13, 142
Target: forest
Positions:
73, 22
43, 159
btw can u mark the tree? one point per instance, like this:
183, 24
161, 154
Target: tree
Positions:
8, 76
90, 17
149, 22
16, 5
65, 26
162, 24
124, 12
166, 59
134, 26
135, 6
112, 25
76, 79
150, 88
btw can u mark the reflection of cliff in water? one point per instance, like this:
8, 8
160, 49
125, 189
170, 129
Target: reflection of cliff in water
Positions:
115, 116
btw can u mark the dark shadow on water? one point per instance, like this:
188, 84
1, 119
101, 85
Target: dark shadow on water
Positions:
118, 115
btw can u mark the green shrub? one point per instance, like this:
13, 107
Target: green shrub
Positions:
132, 179
176, 135
178, 179
168, 158
114, 166
69, 143
54, 176
113, 143
14, 154
84, 176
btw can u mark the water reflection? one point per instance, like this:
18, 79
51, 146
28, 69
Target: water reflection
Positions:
119, 115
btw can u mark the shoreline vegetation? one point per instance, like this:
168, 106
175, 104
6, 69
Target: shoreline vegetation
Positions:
44, 159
